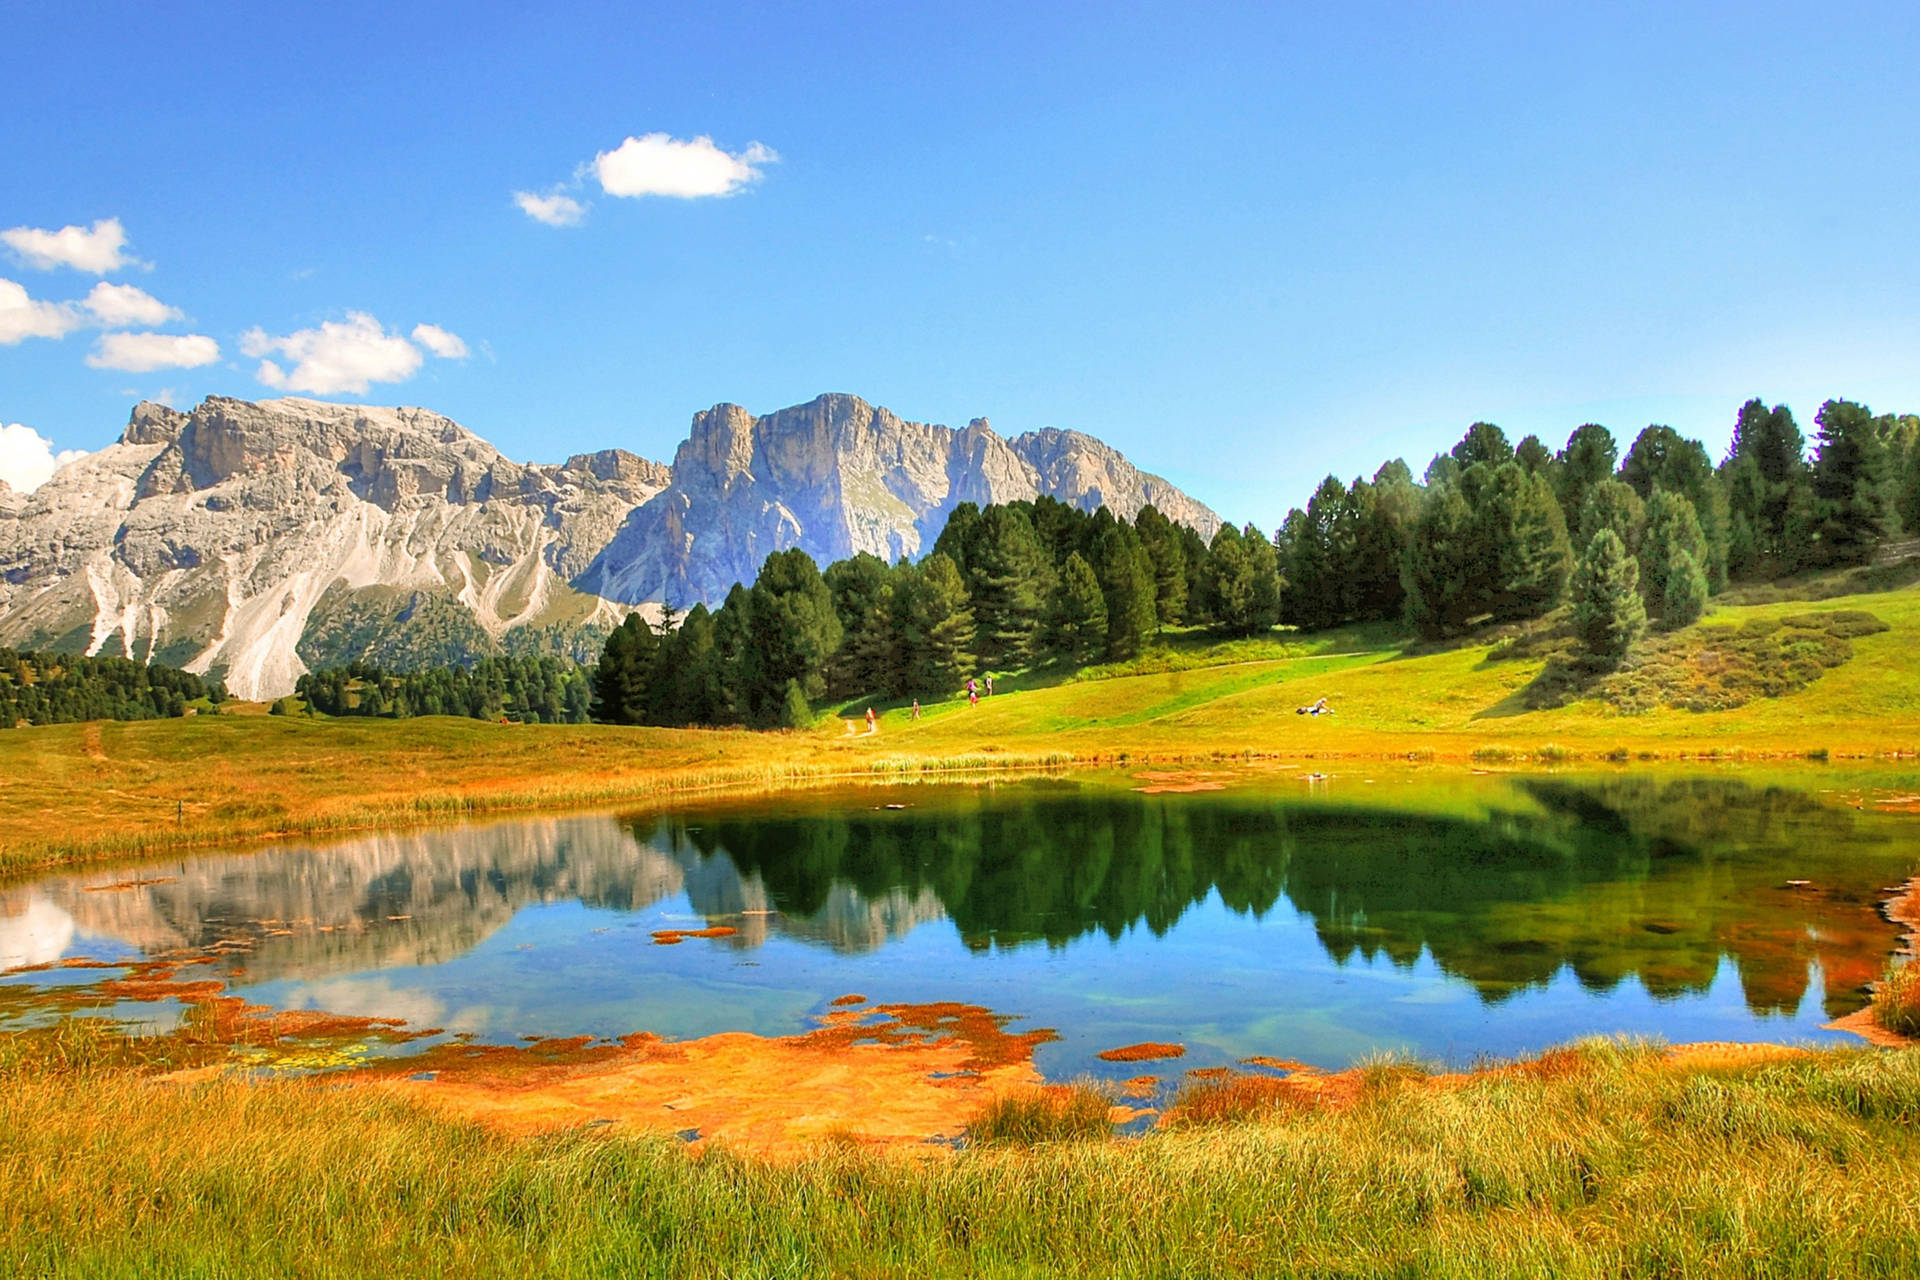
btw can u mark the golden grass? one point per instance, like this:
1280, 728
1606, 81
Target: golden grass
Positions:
1610, 1165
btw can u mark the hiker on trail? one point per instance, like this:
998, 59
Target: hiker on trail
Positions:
873, 722
916, 708
989, 684
973, 695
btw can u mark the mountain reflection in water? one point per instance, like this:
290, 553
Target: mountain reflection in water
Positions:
1659, 880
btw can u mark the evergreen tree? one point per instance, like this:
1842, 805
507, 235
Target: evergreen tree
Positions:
1383, 514
1849, 499
1768, 493
792, 631
1607, 613
1672, 532
1228, 584
620, 680
935, 628
1009, 583
1193, 553
794, 711
1080, 612
1588, 460
688, 685
1534, 458
860, 586
958, 536
1126, 581
733, 647
1314, 569
1685, 598
1522, 526
1443, 569
1611, 504
1661, 458
1485, 445
1167, 550
1263, 566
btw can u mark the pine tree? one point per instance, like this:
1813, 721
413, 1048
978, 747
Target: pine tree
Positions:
1767, 487
934, 626
1009, 582
732, 647
1483, 445
1228, 582
792, 632
1522, 526
1314, 568
1849, 500
1126, 580
859, 586
794, 711
1080, 612
1263, 565
1661, 458
1612, 505
1672, 532
1588, 460
1442, 569
1607, 613
1685, 598
1161, 537
958, 535
626, 667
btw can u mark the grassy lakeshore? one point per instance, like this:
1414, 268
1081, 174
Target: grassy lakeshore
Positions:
1603, 1160
76, 792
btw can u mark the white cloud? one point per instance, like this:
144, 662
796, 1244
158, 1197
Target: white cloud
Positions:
338, 356
448, 346
145, 352
23, 317
555, 210
27, 459
657, 165
122, 304
98, 250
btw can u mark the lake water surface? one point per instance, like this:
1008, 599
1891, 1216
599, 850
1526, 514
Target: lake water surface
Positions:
1316, 920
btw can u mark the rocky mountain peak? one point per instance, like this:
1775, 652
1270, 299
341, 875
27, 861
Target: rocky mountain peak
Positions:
152, 423
256, 540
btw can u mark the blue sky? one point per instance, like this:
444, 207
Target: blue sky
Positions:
1248, 245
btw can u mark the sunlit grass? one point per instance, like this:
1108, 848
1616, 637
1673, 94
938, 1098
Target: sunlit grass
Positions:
1614, 1167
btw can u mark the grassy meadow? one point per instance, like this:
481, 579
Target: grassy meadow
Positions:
1599, 1160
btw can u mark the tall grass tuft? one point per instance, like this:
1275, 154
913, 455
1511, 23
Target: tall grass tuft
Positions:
1896, 999
1049, 1113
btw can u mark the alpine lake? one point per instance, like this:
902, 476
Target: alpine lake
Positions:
1236, 913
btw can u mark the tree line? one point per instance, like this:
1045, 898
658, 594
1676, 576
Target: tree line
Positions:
1009, 587
1501, 532
59, 688
529, 690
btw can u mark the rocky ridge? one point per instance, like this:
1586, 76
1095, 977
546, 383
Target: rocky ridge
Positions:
254, 541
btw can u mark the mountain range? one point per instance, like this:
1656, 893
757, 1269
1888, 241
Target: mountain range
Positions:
256, 541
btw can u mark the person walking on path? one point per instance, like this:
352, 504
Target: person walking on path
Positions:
873, 722
989, 684
916, 708
973, 695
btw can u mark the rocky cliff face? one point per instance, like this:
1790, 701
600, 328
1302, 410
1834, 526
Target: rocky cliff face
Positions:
252, 540
839, 476
256, 541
